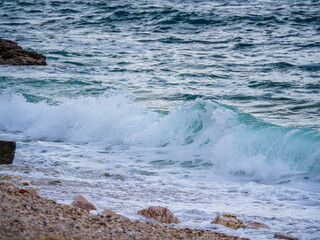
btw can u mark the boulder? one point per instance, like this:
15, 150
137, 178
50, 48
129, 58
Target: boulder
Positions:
12, 54
229, 221
280, 235
161, 214
256, 225
7, 151
84, 202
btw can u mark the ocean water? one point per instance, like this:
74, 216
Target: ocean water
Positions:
204, 107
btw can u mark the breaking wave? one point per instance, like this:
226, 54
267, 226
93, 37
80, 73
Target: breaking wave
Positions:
227, 139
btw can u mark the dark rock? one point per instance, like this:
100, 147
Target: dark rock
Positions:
280, 235
7, 150
12, 54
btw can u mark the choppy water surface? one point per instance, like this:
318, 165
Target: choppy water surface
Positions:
206, 107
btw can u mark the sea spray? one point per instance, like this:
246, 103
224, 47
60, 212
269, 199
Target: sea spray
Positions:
198, 131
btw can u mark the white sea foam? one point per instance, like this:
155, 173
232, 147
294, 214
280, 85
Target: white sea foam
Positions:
200, 130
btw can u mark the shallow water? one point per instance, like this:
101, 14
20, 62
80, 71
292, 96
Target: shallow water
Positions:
205, 107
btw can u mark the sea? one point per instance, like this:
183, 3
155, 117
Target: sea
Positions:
203, 107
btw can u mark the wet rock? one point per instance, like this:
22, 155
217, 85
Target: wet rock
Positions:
229, 221
55, 182
12, 54
280, 235
161, 214
25, 183
106, 175
84, 202
5, 177
23, 191
256, 225
8, 186
7, 150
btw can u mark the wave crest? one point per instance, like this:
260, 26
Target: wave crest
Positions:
229, 140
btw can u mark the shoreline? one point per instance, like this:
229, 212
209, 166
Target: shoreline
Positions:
27, 216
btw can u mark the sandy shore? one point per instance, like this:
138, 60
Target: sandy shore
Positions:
26, 216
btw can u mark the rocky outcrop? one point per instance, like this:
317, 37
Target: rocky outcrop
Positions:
161, 214
280, 235
7, 151
256, 225
229, 221
84, 202
11, 53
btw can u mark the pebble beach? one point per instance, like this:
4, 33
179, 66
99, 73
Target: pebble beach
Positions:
27, 216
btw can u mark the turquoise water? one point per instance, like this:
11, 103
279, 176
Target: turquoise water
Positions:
217, 100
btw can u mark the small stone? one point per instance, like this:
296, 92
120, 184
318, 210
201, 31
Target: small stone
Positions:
55, 182
229, 221
7, 177
161, 214
23, 191
26, 183
84, 202
256, 225
7, 151
280, 235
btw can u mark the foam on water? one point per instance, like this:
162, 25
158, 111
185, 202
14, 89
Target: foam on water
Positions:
201, 159
199, 131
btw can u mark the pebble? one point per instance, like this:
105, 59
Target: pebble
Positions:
25, 183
